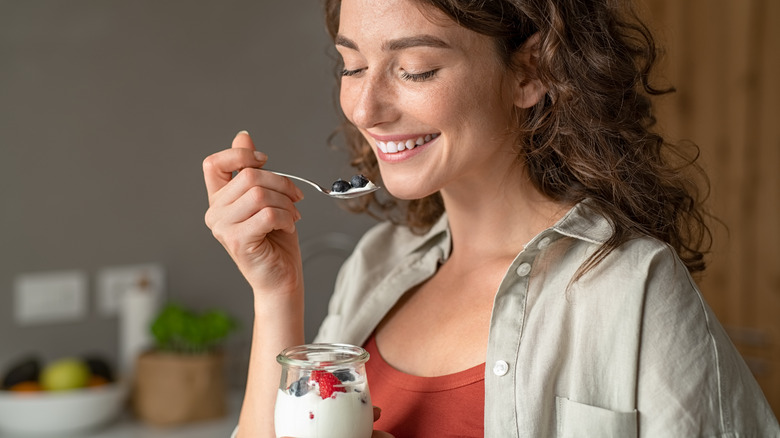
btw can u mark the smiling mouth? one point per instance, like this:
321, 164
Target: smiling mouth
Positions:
393, 147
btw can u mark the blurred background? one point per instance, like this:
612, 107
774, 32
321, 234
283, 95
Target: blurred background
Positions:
107, 109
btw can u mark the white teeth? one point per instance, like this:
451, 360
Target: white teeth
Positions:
392, 147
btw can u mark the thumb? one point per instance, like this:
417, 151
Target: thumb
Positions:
243, 141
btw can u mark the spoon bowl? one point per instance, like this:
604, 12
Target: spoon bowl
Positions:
350, 194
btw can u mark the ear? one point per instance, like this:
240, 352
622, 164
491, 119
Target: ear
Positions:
529, 90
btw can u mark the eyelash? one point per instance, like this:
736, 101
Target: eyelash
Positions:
346, 72
414, 77
419, 77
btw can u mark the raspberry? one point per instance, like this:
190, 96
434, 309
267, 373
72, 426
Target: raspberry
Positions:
327, 382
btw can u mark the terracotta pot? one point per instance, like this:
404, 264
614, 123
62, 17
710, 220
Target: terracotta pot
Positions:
172, 389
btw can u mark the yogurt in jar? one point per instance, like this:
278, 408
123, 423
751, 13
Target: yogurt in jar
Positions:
343, 415
323, 393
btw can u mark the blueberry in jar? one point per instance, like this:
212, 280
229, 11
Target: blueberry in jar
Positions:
344, 375
358, 181
340, 186
300, 387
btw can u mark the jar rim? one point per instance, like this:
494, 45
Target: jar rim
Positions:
299, 356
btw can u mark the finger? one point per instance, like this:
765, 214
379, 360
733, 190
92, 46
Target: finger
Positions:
243, 140
218, 168
248, 179
268, 220
248, 204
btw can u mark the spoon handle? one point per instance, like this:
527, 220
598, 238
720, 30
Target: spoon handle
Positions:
311, 183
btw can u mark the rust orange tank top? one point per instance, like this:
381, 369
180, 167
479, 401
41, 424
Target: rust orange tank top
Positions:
443, 407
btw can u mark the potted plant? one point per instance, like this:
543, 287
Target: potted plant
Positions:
182, 379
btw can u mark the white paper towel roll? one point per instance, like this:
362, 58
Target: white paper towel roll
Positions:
139, 306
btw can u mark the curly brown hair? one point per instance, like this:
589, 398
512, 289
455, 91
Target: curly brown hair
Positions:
591, 136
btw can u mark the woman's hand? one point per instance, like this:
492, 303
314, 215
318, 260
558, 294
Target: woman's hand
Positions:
378, 433
253, 216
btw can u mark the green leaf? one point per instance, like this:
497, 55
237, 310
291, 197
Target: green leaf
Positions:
179, 330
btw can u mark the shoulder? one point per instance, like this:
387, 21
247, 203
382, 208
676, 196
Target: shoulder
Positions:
582, 232
645, 285
691, 378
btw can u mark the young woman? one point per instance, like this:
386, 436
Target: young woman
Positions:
533, 275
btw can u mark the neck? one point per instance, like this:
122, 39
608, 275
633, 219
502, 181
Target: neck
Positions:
512, 213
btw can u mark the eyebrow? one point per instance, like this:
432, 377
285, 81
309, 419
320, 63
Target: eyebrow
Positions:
398, 44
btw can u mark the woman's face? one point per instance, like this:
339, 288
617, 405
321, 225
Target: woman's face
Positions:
432, 98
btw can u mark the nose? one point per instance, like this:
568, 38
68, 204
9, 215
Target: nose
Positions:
369, 100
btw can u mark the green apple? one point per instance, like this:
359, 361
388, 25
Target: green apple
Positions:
64, 374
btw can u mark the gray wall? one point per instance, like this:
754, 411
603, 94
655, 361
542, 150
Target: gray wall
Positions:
107, 109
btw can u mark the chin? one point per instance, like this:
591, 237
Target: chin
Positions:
407, 192
406, 183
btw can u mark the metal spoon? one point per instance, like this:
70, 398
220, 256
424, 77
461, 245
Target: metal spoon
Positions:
351, 193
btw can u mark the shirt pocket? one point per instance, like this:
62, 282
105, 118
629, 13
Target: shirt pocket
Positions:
584, 421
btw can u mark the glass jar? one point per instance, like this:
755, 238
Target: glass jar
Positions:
323, 393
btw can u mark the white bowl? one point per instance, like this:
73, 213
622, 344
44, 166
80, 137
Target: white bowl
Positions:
60, 412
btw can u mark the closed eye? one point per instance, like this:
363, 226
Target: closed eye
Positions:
418, 77
346, 72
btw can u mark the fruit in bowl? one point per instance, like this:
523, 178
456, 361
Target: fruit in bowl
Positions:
65, 396
65, 374
28, 375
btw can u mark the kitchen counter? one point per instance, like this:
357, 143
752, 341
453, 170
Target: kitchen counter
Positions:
128, 427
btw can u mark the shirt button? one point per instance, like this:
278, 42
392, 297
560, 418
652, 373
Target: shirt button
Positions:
500, 368
523, 269
544, 243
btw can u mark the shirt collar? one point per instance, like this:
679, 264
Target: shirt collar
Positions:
584, 223
438, 236
580, 222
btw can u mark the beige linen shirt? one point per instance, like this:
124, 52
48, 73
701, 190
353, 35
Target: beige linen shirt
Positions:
629, 350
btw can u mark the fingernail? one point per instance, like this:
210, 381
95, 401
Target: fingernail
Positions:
259, 156
242, 132
297, 215
299, 193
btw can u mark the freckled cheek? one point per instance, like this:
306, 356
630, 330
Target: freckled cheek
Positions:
444, 108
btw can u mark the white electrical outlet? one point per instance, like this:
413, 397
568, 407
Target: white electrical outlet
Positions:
48, 297
112, 282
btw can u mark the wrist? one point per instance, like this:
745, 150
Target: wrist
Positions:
279, 319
